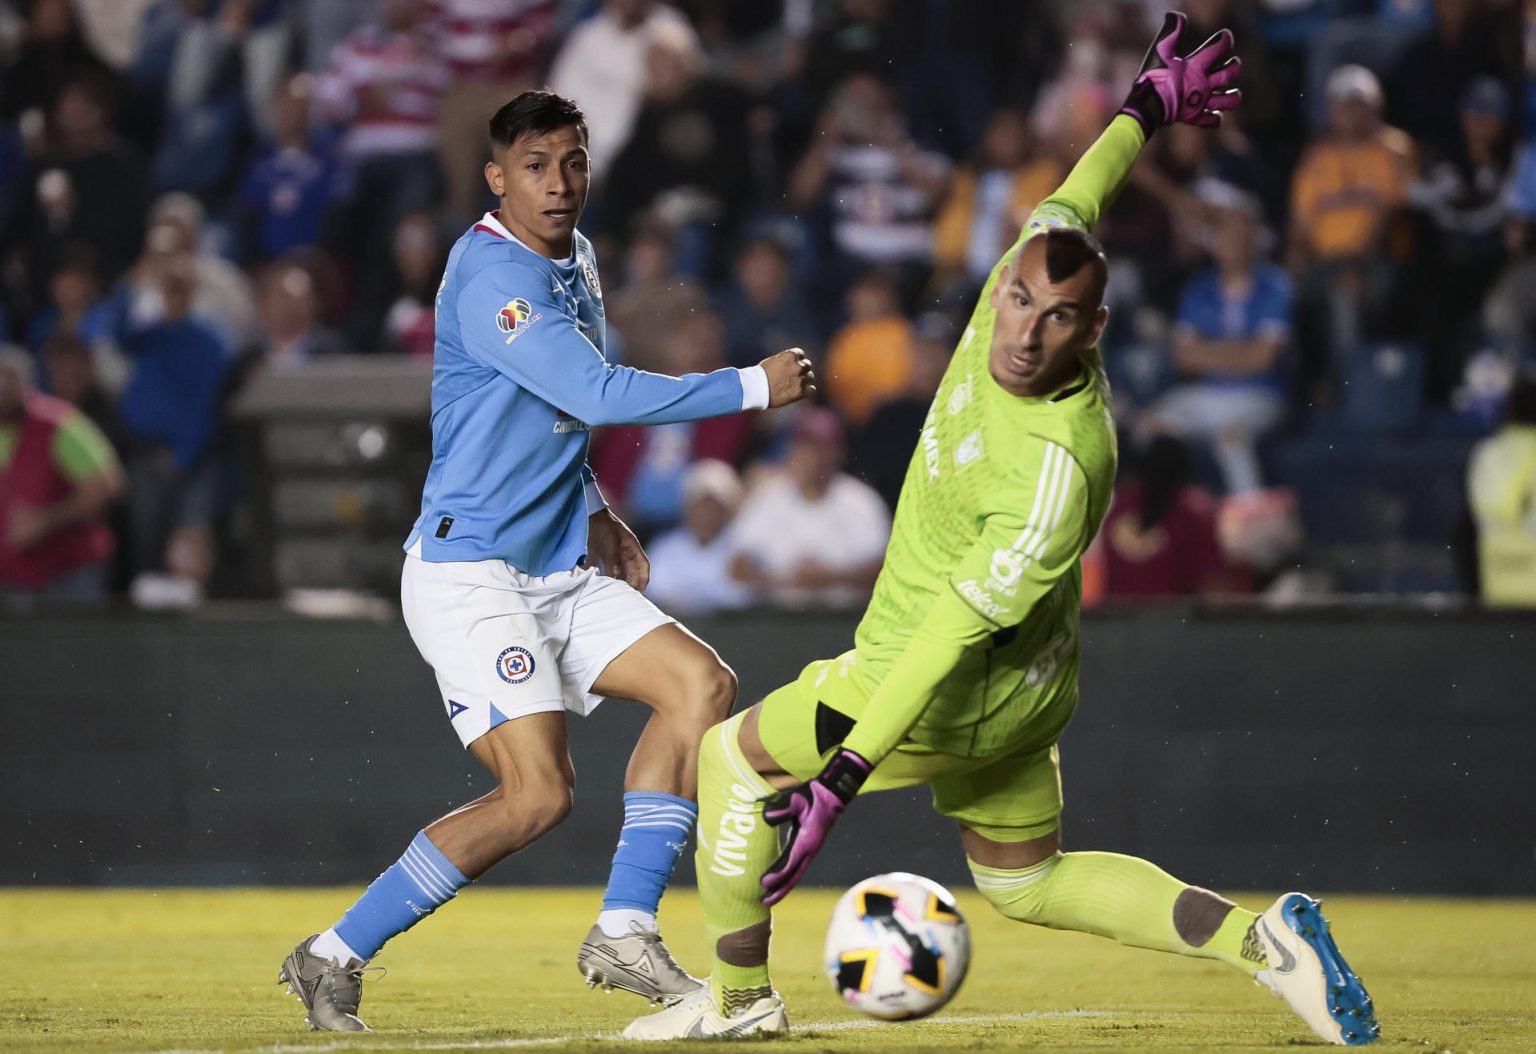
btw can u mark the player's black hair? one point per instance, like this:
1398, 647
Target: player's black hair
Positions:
536, 112
1164, 470
1520, 406
1068, 250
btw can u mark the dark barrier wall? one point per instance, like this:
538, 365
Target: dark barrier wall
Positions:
1380, 752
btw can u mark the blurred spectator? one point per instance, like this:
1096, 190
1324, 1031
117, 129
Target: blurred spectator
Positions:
224, 296
1501, 487
763, 309
1462, 198
70, 370
1159, 538
690, 565
858, 36
384, 86
812, 536
112, 28
411, 324
880, 451
642, 469
1428, 77
170, 413
687, 158
58, 478
602, 66
988, 201
287, 189
1345, 194
869, 359
881, 189
87, 186
493, 50
288, 329
1233, 326
1510, 312
226, 59
75, 305
653, 299
53, 54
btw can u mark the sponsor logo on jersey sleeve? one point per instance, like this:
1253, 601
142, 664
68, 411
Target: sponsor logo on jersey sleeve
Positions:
981, 600
515, 665
516, 317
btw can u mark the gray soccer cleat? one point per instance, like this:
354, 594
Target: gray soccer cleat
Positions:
636, 962
330, 992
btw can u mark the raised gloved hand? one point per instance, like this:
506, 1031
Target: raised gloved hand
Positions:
810, 810
1194, 89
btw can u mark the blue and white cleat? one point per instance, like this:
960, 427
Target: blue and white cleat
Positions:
1308, 972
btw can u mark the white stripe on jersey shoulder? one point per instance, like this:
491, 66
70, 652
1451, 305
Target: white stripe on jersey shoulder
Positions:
493, 221
1052, 490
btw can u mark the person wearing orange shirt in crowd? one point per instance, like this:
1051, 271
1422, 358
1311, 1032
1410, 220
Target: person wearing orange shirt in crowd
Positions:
1350, 186
869, 360
58, 477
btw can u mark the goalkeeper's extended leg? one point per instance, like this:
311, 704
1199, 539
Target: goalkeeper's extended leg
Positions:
1288, 948
735, 847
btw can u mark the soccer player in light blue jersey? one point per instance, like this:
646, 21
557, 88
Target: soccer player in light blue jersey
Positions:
501, 590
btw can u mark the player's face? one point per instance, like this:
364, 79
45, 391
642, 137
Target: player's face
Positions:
542, 183
1042, 326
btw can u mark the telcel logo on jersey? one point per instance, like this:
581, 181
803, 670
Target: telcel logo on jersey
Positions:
515, 665
981, 600
515, 318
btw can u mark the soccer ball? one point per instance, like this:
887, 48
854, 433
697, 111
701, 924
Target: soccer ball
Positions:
897, 947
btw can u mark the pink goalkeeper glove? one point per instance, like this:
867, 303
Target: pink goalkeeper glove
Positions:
1189, 90
810, 810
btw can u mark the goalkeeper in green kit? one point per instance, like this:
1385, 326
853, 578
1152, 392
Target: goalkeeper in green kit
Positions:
964, 670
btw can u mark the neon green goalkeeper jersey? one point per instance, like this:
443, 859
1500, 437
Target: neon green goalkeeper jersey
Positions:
969, 645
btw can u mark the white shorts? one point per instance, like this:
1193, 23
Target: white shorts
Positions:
505, 644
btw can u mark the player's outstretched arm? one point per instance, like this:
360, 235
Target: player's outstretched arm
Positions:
513, 321
1169, 89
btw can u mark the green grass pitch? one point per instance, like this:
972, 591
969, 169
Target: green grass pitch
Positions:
194, 970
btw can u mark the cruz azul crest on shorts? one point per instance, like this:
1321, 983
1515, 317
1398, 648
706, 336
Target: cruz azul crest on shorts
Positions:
515, 665
515, 318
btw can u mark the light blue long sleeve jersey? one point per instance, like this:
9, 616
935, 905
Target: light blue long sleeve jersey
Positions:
518, 377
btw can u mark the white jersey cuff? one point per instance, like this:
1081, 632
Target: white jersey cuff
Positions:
595, 501
754, 388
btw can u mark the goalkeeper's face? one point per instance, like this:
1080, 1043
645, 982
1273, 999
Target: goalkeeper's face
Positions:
1045, 319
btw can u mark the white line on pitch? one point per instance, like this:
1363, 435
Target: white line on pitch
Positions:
611, 1037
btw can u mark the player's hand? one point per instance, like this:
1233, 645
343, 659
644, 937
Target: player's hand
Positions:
810, 810
1194, 89
616, 550
790, 378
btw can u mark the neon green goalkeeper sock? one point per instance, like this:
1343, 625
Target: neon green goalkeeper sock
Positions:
735, 847
1125, 899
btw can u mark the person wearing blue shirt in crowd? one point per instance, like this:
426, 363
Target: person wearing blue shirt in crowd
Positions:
500, 591
169, 412
1233, 325
286, 191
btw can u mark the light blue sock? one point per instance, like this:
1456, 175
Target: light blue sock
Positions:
414, 886
655, 831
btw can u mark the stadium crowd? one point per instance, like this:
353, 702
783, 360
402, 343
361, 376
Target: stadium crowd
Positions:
194, 192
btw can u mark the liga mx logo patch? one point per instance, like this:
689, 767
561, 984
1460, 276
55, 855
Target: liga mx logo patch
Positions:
515, 665
515, 318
